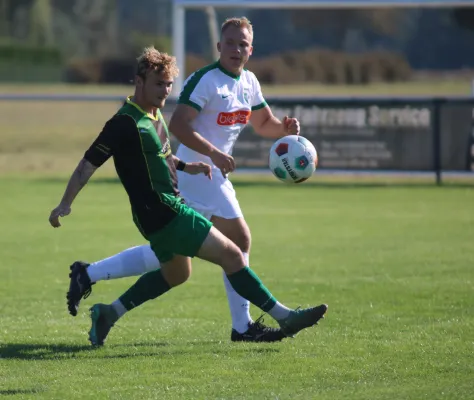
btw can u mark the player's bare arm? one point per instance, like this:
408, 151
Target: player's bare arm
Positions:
267, 125
181, 126
193, 168
78, 180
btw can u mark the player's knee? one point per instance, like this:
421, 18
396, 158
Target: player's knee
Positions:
243, 240
232, 260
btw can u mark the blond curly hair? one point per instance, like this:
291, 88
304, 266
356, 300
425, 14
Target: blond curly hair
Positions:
153, 60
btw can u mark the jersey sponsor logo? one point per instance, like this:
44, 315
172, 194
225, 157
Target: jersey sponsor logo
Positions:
232, 118
224, 96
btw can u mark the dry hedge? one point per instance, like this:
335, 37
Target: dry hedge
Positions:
316, 65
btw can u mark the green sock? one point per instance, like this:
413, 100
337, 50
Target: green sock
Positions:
149, 286
246, 283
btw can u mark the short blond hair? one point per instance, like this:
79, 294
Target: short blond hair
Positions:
242, 22
153, 60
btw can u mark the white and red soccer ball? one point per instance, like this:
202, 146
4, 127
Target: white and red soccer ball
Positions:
293, 159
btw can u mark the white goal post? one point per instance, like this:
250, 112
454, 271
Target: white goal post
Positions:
180, 6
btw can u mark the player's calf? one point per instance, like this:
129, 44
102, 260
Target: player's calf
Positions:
176, 271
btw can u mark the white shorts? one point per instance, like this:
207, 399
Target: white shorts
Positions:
209, 197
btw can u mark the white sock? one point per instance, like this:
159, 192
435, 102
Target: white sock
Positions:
131, 262
119, 308
239, 307
279, 311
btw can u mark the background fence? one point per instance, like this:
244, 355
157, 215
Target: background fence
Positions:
398, 134
371, 134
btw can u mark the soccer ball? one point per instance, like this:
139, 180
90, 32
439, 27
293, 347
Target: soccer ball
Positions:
293, 159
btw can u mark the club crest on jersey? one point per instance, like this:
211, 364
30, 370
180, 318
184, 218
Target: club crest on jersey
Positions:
165, 150
246, 96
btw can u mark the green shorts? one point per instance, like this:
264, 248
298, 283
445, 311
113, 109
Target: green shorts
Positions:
184, 235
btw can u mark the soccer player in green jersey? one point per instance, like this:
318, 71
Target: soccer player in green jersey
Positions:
137, 138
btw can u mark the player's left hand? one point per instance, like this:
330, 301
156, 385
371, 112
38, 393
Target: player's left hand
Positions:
59, 211
196, 168
291, 126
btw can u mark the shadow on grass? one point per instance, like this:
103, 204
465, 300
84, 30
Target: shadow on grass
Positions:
314, 184
13, 392
23, 351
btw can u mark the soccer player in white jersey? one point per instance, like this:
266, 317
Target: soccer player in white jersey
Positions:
214, 106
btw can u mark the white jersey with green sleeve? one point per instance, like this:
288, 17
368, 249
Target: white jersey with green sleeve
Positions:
225, 103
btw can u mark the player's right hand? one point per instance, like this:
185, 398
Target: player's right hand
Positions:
195, 168
59, 211
223, 161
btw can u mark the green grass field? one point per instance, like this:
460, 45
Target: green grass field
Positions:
393, 263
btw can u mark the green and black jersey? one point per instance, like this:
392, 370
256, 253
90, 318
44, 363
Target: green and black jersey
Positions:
140, 146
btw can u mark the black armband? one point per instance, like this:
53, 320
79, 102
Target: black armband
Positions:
181, 165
